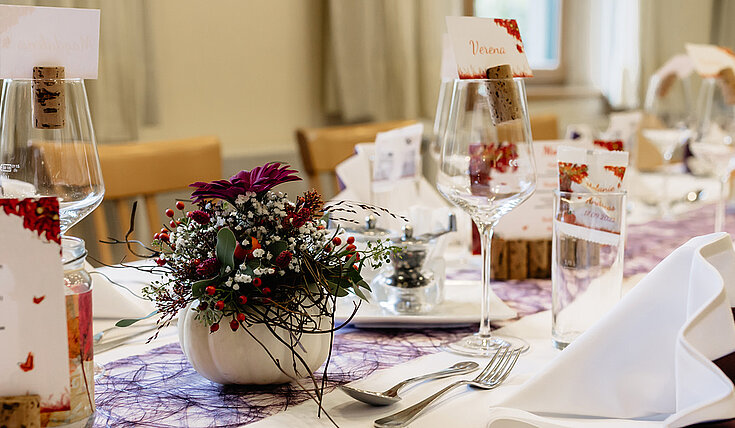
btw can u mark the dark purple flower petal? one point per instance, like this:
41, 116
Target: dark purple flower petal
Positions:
258, 179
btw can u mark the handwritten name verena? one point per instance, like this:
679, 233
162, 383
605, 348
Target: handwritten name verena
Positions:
478, 49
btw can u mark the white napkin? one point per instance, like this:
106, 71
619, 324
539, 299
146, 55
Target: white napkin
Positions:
651, 356
120, 300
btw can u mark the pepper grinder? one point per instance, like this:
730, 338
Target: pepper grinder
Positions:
413, 282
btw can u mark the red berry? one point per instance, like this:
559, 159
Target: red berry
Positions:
156, 236
219, 305
351, 248
210, 290
328, 248
203, 306
243, 300
180, 205
164, 237
214, 327
160, 262
234, 325
169, 213
266, 290
320, 227
240, 252
173, 224
196, 262
336, 240
163, 230
241, 317
351, 240
257, 282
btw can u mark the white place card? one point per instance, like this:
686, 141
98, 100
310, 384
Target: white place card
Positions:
33, 333
481, 43
710, 59
397, 156
449, 63
48, 36
533, 218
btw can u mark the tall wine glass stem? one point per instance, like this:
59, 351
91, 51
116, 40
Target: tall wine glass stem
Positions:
486, 238
721, 204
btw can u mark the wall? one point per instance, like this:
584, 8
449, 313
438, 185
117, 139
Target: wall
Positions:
248, 71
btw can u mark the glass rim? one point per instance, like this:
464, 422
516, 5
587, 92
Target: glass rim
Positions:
30, 79
76, 244
558, 192
515, 79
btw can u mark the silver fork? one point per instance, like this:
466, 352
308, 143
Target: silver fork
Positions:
496, 371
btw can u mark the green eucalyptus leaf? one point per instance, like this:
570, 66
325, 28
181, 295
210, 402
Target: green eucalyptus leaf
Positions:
336, 290
277, 247
226, 243
130, 321
197, 288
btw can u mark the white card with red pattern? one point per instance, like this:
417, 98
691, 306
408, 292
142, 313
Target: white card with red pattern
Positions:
48, 36
710, 59
481, 43
34, 356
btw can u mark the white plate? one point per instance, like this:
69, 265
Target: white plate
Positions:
461, 307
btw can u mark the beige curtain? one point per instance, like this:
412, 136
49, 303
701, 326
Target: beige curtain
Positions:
122, 97
383, 57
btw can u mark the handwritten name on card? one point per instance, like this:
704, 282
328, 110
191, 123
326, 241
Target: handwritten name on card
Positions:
48, 36
34, 357
481, 43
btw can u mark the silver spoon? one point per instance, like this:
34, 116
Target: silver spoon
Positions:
390, 396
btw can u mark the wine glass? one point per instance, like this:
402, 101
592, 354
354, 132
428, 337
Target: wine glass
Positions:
714, 146
487, 169
668, 110
59, 162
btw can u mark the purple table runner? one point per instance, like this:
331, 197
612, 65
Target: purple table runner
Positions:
161, 389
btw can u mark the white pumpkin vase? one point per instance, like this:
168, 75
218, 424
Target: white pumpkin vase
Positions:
234, 357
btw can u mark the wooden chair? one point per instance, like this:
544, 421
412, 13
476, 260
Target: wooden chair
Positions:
322, 149
146, 169
544, 127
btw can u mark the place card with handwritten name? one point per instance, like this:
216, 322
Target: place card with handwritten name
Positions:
48, 36
481, 43
709, 60
34, 355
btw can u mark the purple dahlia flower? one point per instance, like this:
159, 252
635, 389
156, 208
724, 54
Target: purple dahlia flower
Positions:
258, 179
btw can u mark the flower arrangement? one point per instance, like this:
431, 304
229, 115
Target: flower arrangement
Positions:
248, 255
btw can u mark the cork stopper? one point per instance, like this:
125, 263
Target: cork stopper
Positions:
20, 411
49, 104
505, 103
666, 84
726, 79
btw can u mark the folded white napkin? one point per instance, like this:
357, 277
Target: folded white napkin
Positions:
651, 356
120, 299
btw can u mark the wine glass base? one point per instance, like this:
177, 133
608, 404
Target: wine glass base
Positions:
477, 345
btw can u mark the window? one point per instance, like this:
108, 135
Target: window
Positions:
540, 25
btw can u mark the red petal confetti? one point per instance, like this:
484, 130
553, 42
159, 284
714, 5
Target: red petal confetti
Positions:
38, 300
28, 365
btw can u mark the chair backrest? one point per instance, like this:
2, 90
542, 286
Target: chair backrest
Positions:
322, 149
146, 169
544, 127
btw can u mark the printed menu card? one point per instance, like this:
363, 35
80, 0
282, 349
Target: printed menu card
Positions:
34, 353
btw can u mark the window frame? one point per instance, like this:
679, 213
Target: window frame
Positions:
556, 76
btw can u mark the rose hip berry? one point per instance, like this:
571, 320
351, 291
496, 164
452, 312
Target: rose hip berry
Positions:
234, 325
169, 213
257, 282
214, 327
243, 300
336, 240
350, 248
180, 205
351, 240
241, 317
210, 290
219, 305
266, 290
